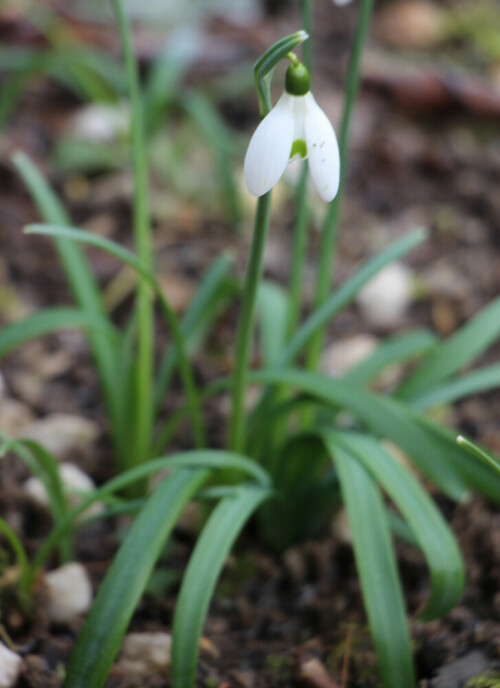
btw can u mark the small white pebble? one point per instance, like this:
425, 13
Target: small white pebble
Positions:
146, 653
384, 300
343, 355
69, 592
74, 481
10, 666
62, 433
100, 123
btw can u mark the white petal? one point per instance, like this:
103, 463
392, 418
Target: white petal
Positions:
341, 2
269, 150
322, 150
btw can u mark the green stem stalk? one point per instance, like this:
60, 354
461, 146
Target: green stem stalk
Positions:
245, 326
301, 217
139, 446
328, 246
299, 252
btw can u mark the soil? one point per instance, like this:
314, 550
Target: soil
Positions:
425, 150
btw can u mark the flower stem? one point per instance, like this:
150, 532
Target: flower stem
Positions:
299, 252
139, 445
245, 325
301, 217
328, 246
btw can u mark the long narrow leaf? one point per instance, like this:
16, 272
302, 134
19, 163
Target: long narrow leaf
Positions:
199, 581
347, 292
375, 560
383, 416
48, 321
394, 350
196, 459
218, 137
481, 380
44, 466
428, 526
21, 558
456, 352
131, 259
126, 579
272, 312
479, 453
197, 319
478, 476
78, 274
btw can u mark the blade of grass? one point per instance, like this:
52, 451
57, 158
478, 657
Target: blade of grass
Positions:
143, 408
347, 292
272, 312
456, 352
219, 138
481, 380
425, 521
44, 466
21, 559
479, 453
48, 321
376, 563
205, 565
122, 588
79, 276
131, 259
383, 416
206, 459
200, 313
394, 350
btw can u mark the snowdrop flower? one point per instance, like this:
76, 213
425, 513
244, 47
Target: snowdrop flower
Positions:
295, 126
341, 3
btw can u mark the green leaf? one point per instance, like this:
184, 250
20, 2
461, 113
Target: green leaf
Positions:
272, 311
205, 565
479, 453
478, 476
219, 138
132, 261
205, 459
121, 590
402, 347
375, 560
45, 467
384, 417
78, 274
456, 352
302, 485
481, 380
21, 559
347, 292
48, 321
425, 521
200, 314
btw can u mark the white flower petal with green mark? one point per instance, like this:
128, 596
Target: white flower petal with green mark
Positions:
270, 147
322, 150
295, 127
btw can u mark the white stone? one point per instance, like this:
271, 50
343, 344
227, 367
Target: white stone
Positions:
343, 355
76, 484
69, 592
100, 123
62, 433
10, 666
384, 300
146, 653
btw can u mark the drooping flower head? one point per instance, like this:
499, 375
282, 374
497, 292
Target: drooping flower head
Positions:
295, 126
